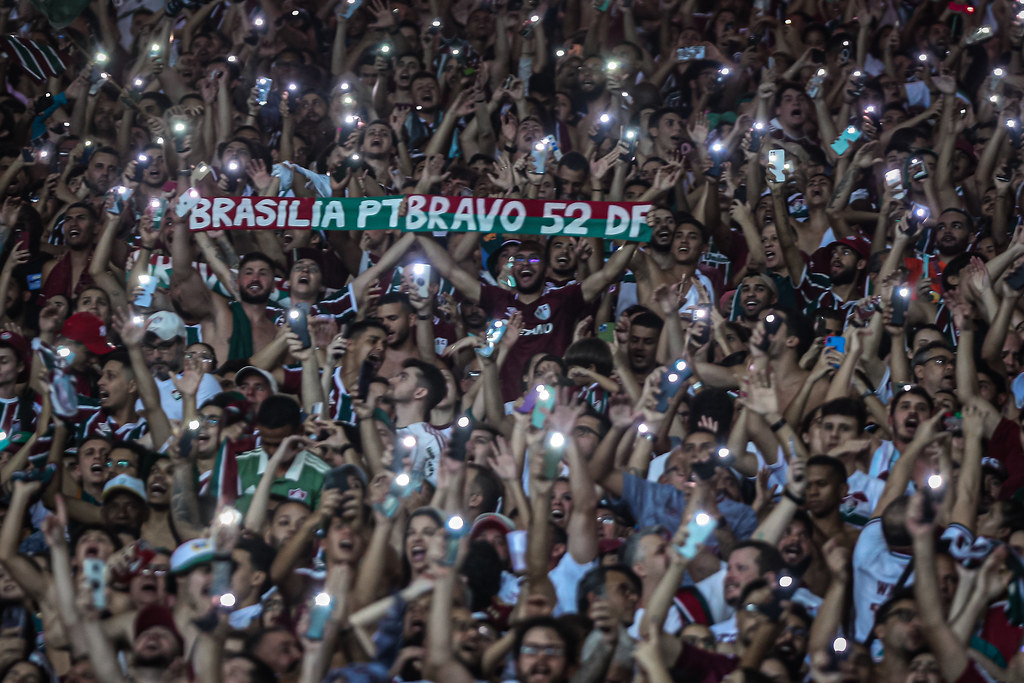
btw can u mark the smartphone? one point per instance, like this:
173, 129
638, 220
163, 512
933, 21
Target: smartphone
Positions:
979, 34
337, 478
837, 654
459, 439
492, 335
1013, 128
543, 403
776, 164
43, 103
785, 587
772, 323
1015, 280
220, 585
179, 130
157, 208
900, 301
421, 278
540, 156
319, 613
894, 179
349, 7
142, 163
916, 169
121, 196
188, 435
366, 375
689, 54
932, 492
145, 297
632, 137
670, 383
298, 321
95, 572
757, 133
454, 530
717, 153
698, 530
554, 451
702, 314
263, 85
858, 79
837, 343
814, 86
842, 143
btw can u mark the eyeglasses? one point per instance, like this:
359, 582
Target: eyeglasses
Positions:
119, 463
153, 572
940, 361
904, 615
533, 260
795, 631
207, 419
544, 650
204, 357
606, 519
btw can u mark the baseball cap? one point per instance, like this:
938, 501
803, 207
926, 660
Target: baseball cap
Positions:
20, 346
1018, 391
125, 482
157, 615
859, 244
250, 369
191, 554
166, 325
492, 258
89, 330
491, 520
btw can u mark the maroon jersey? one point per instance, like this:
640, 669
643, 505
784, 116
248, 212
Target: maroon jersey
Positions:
548, 324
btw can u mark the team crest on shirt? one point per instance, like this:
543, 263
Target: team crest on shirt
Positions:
297, 494
543, 312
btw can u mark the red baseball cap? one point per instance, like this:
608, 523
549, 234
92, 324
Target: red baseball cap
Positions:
859, 244
89, 330
21, 348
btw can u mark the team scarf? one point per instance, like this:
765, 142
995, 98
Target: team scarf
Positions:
421, 213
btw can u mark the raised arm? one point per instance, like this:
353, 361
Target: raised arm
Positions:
597, 282
132, 335
468, 285
947, 648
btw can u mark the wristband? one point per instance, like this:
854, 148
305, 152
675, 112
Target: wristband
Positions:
788, 494
424, 317
511, 149
186, 172
778, 425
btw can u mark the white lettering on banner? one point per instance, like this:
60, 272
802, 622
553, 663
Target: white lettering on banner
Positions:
553, 211
266, 210
618, 221
244, 214
543, 328
282, 215
513, 215
221, 207
200, 216
367, 208
334, 214
577, 227
639, 219
415, 217
293, 216
485, 218
438, 206
464, 214
394, 204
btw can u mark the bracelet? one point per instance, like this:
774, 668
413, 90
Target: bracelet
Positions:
788, 494
511, 149
778, 425
187, 172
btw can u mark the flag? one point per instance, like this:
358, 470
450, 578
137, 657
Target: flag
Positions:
61, 13
39, 59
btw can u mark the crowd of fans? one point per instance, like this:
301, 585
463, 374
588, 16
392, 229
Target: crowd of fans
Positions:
778, 441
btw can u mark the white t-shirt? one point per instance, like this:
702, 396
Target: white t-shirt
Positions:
170, 399
430, 443
565, 577
673, 622
712, 588
876, 570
